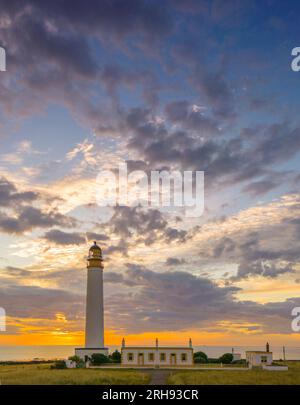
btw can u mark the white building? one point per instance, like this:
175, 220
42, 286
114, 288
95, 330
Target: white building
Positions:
156, 356
236, 356
259, 358
94, 323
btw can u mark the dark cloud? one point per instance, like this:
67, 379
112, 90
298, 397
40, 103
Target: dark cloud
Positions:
156, 301
174, 261
216, 91
72, 238
151, 301
261, 187
192, 117
29, 217
271, 251
17, 216
111, 277
61, 57
37, 302
260, 268
121, 247
148, 226
10, 196
224, 160
96, 236
64, 238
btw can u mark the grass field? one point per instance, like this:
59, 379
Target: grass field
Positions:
43, 375
247, 377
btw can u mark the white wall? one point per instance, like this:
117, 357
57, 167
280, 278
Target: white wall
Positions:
255, 358
275, 368
146, 362
94, 330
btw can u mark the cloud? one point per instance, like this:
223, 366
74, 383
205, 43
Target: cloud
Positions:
147, 226
148, 301
247, 269
62, 47
225, 160
16, 216
257, 188
10, 196
192, 117
37, 302
258, 252
96, 236
64, 238
157, 301
174, 261
28, 218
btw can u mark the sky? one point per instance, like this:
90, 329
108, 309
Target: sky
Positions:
194, 85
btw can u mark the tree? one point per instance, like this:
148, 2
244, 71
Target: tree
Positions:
59, 364
226, 358
75, 358
115, 357
79, 362
200, 357
99, 358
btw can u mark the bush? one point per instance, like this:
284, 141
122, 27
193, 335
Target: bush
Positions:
200, 357
99, 358
59, 364
77, 359
115, 357
79, 362
214, 361
241, 361
226, 358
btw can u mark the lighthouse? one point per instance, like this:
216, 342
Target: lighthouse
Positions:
94, 319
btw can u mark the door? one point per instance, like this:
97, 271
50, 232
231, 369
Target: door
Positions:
173, 359
141, 359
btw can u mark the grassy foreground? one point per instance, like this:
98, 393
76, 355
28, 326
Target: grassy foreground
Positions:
43, 375
246, 377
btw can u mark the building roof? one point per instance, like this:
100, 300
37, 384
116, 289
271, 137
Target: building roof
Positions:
258, 351
155, 347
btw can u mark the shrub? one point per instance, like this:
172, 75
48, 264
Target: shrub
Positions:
59, 364
241, 361
214, 361
79, 362
99, 358
115, 357
200, 357
226, 358
75, 358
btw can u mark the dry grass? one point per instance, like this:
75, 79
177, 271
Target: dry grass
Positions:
43, 375
236, 377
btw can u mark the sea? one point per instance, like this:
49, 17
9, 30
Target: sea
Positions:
28, 353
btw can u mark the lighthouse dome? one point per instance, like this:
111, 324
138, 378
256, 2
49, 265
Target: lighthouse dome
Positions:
95, 250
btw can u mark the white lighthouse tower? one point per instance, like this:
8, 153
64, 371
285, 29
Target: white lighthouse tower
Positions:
94, 321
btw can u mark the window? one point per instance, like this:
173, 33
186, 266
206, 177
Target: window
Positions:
162, 356
151, 356
130, 356
183, 357
264, 359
